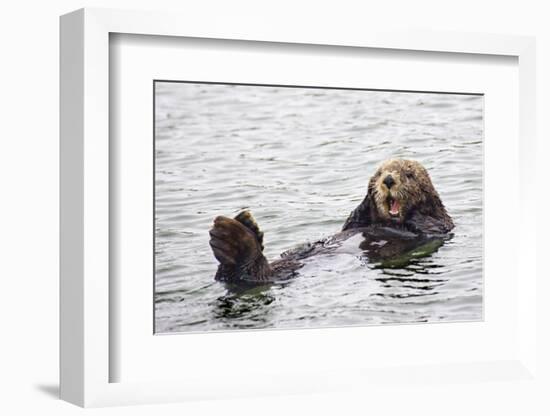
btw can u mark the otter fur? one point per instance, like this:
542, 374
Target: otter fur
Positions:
401, 207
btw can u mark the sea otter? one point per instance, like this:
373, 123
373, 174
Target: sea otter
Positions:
401, 211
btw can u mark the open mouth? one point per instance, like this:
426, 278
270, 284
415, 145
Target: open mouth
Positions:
393, 207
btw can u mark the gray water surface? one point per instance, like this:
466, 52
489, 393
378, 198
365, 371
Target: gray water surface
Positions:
299, 159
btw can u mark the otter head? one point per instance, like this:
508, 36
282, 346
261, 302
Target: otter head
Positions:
401, 193
399, 187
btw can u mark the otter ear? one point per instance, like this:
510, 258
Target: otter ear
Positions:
360, 216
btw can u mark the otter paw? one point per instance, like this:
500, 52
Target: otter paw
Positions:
246, 219
233, 243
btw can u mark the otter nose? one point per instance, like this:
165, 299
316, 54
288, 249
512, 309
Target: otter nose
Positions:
388, 181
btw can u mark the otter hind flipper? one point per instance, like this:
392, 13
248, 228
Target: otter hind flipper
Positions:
238, 250
232, 242
246, 219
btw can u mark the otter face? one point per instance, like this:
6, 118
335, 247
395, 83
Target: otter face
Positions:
398, 187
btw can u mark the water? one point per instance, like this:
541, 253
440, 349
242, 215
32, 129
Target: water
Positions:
300, 160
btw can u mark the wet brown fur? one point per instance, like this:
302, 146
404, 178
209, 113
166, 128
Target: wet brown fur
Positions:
421, 207
237, 243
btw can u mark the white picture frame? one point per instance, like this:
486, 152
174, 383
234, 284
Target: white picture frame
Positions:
85, 224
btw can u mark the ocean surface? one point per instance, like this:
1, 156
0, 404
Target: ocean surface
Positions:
299, 159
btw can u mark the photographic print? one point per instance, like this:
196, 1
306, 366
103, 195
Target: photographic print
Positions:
280, 207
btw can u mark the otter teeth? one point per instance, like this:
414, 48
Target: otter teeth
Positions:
394, 207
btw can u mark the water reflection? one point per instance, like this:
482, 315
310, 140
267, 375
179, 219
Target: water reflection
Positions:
251, 300
396, 253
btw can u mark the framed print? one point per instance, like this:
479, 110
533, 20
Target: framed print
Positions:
299, 203
336, 133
